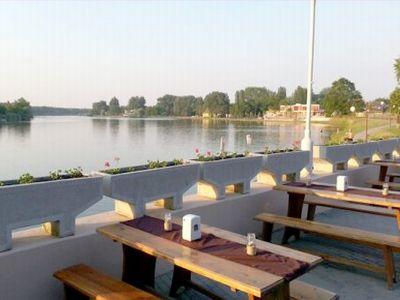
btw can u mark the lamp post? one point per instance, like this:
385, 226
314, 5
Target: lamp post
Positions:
306, 142
366, 121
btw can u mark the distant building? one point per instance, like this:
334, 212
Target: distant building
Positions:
299, 111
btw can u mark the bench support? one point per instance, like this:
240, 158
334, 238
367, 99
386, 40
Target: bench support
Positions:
138, 267
295, 208
281, 292
389, 266
73, 294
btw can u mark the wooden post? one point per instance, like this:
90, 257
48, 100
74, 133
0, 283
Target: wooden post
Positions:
295, 208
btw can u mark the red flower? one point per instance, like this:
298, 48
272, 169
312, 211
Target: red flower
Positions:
107, 164
208, 153
196, 150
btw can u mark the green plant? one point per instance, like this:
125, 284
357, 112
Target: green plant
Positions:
74, 172
55, 175
1, 183
113, 171
26, 178
154, 164
177, 162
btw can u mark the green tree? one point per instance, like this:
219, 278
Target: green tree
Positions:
114, 108
395, 103
254, 101
165, 105
281, 93
341, 96
136, 103
397, 69
99, 108
299, 95
216, 104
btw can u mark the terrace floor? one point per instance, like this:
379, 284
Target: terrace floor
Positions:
347, 282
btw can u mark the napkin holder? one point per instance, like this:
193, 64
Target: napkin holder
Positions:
191, 227
342, 183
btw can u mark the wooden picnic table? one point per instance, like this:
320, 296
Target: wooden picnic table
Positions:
141, 249
357, 195
384, 166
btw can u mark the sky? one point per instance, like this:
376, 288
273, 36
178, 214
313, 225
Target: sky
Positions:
74, 53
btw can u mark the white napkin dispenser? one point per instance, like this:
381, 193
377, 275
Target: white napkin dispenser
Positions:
342, 183
191, 227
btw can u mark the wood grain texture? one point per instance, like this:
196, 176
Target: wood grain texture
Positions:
234, 275
99, 286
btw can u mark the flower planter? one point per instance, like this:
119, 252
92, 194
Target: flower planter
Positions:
363, 153
275, 166
57, 202
332, 158
234, 173
132, 190
386, 148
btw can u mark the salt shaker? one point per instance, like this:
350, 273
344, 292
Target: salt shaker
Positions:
168, 222
251, 247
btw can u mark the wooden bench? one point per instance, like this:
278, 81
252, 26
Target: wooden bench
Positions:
392, 176
313, 203
378, 184
83, 282
387, 243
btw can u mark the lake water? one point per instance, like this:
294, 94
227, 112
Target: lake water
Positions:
51, 143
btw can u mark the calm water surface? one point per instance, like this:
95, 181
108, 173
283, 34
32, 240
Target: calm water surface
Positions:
51, 143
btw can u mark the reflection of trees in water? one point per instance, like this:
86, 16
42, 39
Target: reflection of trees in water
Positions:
99, 126
21, 130
114, 127
136, 128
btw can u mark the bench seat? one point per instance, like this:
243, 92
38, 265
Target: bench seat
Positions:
387, 243
84, 282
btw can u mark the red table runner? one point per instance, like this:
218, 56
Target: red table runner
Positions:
279, 265
376, 193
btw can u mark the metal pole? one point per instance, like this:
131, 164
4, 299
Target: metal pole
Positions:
366, 125
306, 142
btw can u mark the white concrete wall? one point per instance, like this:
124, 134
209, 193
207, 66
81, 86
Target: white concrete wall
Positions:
26, 270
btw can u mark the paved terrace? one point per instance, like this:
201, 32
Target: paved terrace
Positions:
26, 270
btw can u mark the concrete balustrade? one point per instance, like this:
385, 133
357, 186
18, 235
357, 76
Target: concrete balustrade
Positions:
56, 202
386, 148
363, 154
234, 174
276, 166
328, 159
133, 190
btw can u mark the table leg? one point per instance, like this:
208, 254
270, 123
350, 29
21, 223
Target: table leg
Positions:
382, 173
398, 218
281, 292
138, 267
295, 208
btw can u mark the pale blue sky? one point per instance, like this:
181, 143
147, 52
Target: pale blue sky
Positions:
74, 53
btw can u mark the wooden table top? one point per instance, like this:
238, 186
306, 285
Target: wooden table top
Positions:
237, 276
387, 163
358, 195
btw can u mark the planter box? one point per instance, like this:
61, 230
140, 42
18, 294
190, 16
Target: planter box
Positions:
386, 148
363, 153
277, 165
57, 202
133, 190
216, 175
332, 158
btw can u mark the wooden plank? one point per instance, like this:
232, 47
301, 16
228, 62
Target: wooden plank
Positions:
375, 200
237, 276
387, 163
392, 185
312, 260
300, 290
378, 240
97, 285
351, 207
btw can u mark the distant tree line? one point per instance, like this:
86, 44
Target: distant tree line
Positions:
17, 111
59, 111
249, 102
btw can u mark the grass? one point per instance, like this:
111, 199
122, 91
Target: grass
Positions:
392, 132
357, 125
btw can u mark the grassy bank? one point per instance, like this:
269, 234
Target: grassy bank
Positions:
342, 125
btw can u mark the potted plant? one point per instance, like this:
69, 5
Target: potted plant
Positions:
282, 162
226, 169
133, 187
56, 199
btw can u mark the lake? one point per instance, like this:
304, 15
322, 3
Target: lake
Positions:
51, 143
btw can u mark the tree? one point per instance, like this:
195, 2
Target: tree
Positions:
281, 93
341, 96
114, 108
299, 95
165, 105
216, 104
397, 69
136, 103
254, 101
395, 103
99, 108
